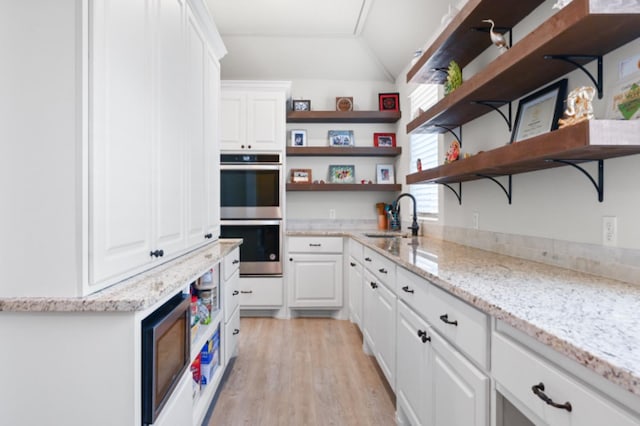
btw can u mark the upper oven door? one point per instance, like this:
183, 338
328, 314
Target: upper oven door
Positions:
250, 191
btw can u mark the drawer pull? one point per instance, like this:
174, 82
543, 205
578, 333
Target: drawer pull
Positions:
407, 289
445, 319
352, 264
235, 262
382, 271
235, 331
246, 291
368, 259
315, 245
423, 336
235, 293
373, 285
539, 391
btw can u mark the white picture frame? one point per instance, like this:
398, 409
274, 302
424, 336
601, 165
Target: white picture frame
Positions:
298, 137
385, 174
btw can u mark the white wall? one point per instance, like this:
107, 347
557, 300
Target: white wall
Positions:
559, 203
347, 205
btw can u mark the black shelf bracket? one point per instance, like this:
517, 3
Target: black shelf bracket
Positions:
457, 193
599, 185
441, 69
507, 192
458, 137
573, 59
495, 105
501, 30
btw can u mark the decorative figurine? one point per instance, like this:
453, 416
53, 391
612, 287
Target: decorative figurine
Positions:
453, 153
497, 38
579, 106
419, 165
560, 4
454, 77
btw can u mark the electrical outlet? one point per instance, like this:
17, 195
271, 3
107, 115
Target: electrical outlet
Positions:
476, 220
609, 231
332, 213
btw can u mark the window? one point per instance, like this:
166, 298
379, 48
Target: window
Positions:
424, 146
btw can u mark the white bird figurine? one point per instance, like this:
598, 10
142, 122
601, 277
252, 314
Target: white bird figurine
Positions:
497, 38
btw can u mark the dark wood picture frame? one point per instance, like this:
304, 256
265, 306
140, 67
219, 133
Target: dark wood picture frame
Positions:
301, 105
553, 96
301, 176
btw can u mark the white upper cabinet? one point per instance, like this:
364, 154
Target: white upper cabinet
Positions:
136, 142
253, 116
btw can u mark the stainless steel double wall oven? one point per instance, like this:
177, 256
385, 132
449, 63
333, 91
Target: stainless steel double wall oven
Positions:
251, 192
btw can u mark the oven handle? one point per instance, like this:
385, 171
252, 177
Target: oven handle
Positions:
251, 222
250, 167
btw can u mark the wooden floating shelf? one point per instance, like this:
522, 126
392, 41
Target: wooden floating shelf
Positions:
523, 68
343, 116
586, 141
459, 42
331, 151
343, 187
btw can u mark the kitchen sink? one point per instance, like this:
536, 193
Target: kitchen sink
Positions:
384, 235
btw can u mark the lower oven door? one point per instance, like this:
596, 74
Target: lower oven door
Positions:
261, 249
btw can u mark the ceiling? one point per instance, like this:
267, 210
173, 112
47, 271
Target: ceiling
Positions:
323, 39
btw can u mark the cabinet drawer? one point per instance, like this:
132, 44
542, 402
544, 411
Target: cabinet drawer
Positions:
355, 250
517, 370
413, 290
315, 244
464, 326
261, 292
231, 263
384, 269
231, 294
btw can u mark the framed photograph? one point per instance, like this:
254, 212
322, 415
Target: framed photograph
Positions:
301, 105
300, 175
298, 138
344, 103
384, 173
341, 138
342, 174
539, 112
384, 139
389, 101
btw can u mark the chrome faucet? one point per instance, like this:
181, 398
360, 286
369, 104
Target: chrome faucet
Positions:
396, 209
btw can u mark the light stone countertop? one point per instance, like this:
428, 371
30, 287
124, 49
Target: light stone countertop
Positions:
134, 294
592, 320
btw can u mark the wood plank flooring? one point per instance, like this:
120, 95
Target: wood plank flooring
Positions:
304, 371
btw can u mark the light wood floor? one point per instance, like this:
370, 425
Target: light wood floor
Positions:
305, 371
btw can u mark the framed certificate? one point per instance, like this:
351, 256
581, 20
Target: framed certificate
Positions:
539, 112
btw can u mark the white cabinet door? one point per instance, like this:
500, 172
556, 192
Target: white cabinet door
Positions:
253, 120
169, 170
315, 280
212, 149
233, 120
355, 291
196, 143
385, 334
459, 392
231, 336
266, 121
414, 363
120, 138
369, 318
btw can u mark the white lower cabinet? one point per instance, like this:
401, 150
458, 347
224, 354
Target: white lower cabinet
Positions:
436, 385
314, 272
380, 324
231, 335
546, 394
414, 359
231, 303
355, 291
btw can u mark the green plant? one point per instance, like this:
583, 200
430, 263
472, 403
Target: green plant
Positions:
454, 78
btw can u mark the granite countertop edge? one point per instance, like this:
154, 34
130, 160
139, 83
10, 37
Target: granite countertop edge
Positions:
137, 293
619, 375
